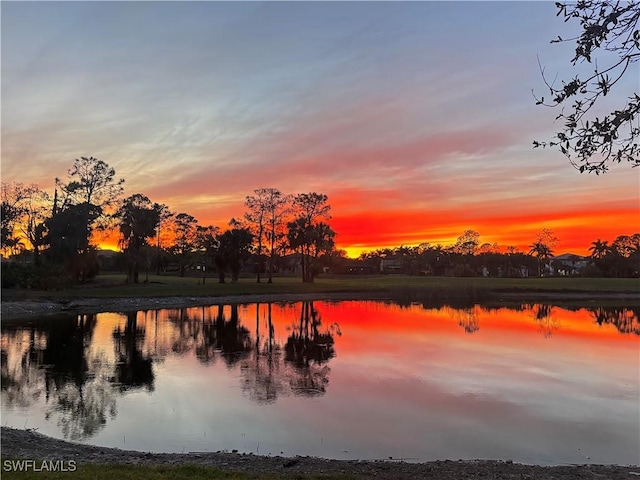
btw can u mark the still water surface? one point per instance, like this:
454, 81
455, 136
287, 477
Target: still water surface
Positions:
351, 380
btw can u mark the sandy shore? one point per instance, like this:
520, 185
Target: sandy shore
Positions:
13, 309
26, 444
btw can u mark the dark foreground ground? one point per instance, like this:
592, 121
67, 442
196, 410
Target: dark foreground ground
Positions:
26, 444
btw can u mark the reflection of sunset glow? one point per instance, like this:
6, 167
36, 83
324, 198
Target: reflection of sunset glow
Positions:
475, 378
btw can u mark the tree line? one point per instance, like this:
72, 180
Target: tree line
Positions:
60, 231
469, 257
277, 232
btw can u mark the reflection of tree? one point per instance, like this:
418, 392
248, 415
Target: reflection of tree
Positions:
468, 319
624, 319
206, 346
231, 337
306, 344
543, 314
307, 349
189, 329
311, 381
59, 362
20, 381
82, 398
133, 369
211, 336
79, 387
65, 351
82, 411
263, 372
302, 370
225, 336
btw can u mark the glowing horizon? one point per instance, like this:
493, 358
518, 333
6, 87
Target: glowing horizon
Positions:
416, 119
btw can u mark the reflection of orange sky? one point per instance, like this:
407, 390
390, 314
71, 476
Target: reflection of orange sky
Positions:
368, 326
509, 325
412, 370
367, 329
401, 343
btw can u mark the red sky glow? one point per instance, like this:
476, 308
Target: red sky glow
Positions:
415, 118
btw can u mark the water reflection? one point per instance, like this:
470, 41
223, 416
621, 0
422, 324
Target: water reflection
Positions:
624, 319
54, 359
83, 372
544, 315
468, 319
133, 368
298, 367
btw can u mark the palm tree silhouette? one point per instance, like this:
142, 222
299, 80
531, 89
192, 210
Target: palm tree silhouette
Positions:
599, 249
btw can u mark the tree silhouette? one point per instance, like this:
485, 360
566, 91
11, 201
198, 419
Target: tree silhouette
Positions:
185, 241
542, 252
233, 251
138, 219
310, 240
599, 249
207, 242
11, 197
164, 215
256, 216
77, 382
468, 242
24, 209
266, 209
308, 234
542, 248
468, 319
67, 236
92, 183
609, 40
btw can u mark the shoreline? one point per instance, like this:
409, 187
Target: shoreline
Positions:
28, 444
21, 308
26, 308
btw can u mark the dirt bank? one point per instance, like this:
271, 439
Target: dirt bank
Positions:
26, 444
25, 308
12, 309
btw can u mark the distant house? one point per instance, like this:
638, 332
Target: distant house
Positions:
354, 267
390, 265
569, 264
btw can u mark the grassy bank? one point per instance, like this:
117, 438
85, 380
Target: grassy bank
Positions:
114, 286
153, 472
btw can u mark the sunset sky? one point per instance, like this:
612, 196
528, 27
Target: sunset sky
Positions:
415, 118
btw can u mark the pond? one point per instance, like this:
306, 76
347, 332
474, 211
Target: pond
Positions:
533, 383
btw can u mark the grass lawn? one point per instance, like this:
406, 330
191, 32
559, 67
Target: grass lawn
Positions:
150, 472
114, 286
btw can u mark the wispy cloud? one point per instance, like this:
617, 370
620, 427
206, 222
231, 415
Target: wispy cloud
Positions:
415, 118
